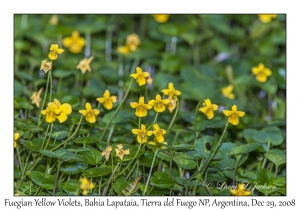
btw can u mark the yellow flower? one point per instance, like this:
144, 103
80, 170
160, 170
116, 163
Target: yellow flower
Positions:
53, 20
171, 91
227, 92
233, 115
158, 132
51, 112
84, 65
120, 152
172, 104
142, 134
240, 191
107, 152
266, 18
16, 137
75, 43
36, 98
46, 66
89, 113
140, 76
65, 109
141, 108
107, 100
132, 41
261, 72
161, 18
123, 50
54, 51
158, 103
208, 109
86, 185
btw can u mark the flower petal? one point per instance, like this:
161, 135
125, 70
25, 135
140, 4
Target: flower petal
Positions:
66, 108
227, 112
96, 111
62, 117
88, 106
83, 112
136, 131
240, 113
90, 118
134, 104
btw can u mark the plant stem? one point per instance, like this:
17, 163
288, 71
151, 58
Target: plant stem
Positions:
19, 158
235, 168
51, 85
265, 159
44, 100
70, 136
210, 158
57, 173
149, 175
51, 128
155, 118
140, 119
110, 133
45, 136
110, 178
112, 117
177, 107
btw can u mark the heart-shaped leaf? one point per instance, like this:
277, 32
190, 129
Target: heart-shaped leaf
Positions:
74, 169
244, 149
42, 180
71, 187
162, 180
60, 154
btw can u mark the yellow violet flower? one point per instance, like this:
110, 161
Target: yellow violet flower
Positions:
107, 100
266, 18
172, 104
84, 65
53, 20
51, 112
233, 115
261, 73
54, 51
36, 98
123, 50
171, 91
158, 103
240, 191
120, 152
132, 41
158, 132
65, 109
107, 152
46, 66
89, 113
142, 134
75, 43
140, 76
141, 108
16, 137
86, 185
227, 92
208, 109
161, 18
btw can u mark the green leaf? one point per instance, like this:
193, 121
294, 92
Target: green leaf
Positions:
280, 182
180, 147
248, 134
71, 187
62, 73
60, 134
121, 117
74, 169
119, 185
162, 180
184, 161
60, 154
268, 135
18, 88
42, 180
34, 145
244, 149
276, 158
97, 171
85, 140
93, 156
17, 173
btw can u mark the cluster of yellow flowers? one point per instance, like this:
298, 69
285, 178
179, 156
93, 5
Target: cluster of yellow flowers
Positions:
233, 115
86, 185
132, 42
56, 110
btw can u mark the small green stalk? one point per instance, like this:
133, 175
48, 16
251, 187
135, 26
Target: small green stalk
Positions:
149, 175
112, 117
110, 178
56, 178
177, 108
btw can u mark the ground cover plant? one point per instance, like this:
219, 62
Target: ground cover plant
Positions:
149, 105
